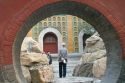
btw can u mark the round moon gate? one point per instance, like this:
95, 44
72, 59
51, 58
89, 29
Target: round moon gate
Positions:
83, 9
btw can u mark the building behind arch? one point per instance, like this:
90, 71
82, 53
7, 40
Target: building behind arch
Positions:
69, 26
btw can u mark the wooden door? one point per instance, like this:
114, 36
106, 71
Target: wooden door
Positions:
50, 43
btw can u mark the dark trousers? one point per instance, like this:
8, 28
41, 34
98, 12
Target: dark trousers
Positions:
62, 69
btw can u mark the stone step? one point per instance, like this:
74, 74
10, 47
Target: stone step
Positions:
74, 80
68, 70
72, 62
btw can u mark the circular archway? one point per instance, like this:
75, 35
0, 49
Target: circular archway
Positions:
95, 18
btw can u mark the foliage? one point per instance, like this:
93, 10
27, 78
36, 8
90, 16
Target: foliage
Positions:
87, 28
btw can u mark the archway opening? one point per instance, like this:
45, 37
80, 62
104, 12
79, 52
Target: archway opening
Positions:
50, 43
67, 28
85, 36
95, 18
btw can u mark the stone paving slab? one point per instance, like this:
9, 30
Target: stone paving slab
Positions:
75, 80
72, 62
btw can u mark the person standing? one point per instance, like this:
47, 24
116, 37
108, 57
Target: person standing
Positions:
49, 57
62, 58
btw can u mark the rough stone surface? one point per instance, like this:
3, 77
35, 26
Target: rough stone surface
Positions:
90, 57
36, 68
34, 45
84, 69
99, 67
41, 73
94, 43
28, 59
26, 73
92, 61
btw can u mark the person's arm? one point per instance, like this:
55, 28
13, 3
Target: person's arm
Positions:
66, 55
59, 55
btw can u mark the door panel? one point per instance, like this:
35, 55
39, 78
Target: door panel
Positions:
50, 47
50, 43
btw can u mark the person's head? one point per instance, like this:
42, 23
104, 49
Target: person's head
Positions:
63, 44
48, 53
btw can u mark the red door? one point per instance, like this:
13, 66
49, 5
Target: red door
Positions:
50, 43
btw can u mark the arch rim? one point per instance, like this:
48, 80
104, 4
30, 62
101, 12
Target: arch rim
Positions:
81, 34
47, 30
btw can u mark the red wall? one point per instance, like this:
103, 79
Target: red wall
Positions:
10, 11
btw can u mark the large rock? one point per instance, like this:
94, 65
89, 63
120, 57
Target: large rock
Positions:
42, 73
91, 62
30, 45
26, 73
38, 65
28, 59
84, 69
93, 44
90, 57
99, 67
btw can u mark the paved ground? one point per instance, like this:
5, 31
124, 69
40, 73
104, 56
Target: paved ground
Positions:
72, 61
